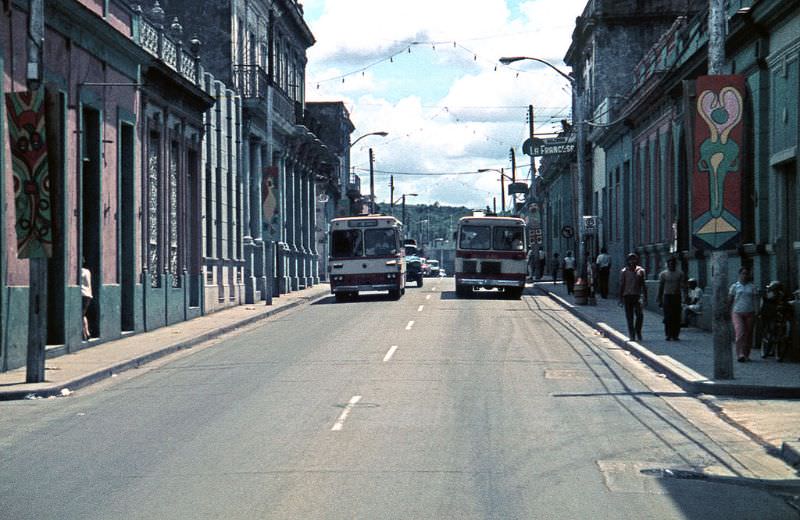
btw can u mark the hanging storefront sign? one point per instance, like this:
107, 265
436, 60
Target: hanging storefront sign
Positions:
718, 160
31, 177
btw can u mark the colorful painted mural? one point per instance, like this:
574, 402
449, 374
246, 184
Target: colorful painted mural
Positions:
270, 203
27, 131
716, 183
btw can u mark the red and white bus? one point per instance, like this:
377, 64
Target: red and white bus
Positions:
491, 252
366, 255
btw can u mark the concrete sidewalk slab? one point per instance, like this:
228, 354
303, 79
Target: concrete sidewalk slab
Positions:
760, 400
70, 372
690, 361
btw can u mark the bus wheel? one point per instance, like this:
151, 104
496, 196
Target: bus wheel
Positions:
340, 296
419, 281
394, 294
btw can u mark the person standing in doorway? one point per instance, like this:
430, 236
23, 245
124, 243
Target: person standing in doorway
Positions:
671, 287
742, 303
568, 265
603, 263
555, 266
86, 297
632, 295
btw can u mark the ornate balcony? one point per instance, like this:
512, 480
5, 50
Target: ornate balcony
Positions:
250, 81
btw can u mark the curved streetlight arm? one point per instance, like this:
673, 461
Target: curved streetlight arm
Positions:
511, 59
382, 134
401, 197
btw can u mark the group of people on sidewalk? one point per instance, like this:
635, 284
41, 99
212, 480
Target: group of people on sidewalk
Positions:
679, 298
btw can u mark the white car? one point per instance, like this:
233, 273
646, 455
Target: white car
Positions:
433, 268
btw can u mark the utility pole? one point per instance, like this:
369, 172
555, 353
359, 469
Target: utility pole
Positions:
720, 325
502, 191
404, 215
37, 299
530, 132
371, 182
391, 193
513, 180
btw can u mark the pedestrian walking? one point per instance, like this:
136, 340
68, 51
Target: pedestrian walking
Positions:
671, 288
532, 260
568, 270
633, 295
542, 262
603, 263
555, 266
86, 297
742, 303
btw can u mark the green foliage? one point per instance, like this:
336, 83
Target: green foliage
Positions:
441, 220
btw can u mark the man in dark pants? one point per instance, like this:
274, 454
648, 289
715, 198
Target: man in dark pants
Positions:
633, 294
671, 288
603, 269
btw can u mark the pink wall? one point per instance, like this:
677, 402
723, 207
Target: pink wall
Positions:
73, 65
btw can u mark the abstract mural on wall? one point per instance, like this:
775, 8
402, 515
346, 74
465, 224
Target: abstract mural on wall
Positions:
270, 203
716, 183
27, 131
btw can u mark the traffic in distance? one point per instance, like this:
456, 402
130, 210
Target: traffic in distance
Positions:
367, 253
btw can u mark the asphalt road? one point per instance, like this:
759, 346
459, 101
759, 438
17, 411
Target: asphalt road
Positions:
427, 407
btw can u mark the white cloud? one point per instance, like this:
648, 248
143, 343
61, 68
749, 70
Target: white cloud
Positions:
454, 109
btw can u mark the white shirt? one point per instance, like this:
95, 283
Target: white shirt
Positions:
603, 260
569, 262
744, 297
86, 283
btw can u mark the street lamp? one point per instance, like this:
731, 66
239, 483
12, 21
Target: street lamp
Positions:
577, 105
503, 177
371, 171
403, 197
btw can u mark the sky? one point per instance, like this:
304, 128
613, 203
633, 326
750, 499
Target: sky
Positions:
427, 72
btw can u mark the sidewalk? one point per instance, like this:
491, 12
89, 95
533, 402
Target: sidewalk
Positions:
69, 372
767, 414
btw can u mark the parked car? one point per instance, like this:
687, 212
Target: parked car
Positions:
434, 268
414, 269
426, 267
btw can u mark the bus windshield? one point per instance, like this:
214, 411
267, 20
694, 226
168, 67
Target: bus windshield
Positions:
508, 238
475, 237
380, 242
346, 243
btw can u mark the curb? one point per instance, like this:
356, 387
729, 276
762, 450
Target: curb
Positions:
680, 374
98, 375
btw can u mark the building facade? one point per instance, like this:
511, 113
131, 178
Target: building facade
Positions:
689, 164
259, 47
122, 108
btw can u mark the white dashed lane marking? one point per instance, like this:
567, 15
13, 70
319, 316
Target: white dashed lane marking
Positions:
419, 309
339, 424
389, 354
410, 324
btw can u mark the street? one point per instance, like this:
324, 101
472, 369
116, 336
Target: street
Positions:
427, 407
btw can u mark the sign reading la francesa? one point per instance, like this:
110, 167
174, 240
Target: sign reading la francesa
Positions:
552, 146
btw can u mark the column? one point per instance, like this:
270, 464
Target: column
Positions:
247, 239
256, 217
291, 212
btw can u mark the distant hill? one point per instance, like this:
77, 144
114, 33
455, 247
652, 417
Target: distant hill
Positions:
441, 220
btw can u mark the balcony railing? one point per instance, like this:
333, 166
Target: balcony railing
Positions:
155, 39
250, 81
